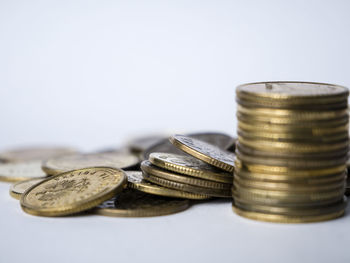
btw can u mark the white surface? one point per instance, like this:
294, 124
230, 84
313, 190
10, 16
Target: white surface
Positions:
92, 73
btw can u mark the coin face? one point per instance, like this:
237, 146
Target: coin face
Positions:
220, 140
137, 181
19, 188
134, 203
73, 192
79, 161
204, 151
289, 89
20, 171
34, 153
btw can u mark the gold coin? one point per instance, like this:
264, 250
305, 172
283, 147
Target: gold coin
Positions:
73, 192
289, 187
292, 91
294, 147
149, 168
186, 187
313, 179
290, 162
289, 122
190, 166
34, 154
133, 203
79, 161
293, 114
204, 151
20, 171
287, 171
136, 181
17, 189
286, 219
292, 211
309, 156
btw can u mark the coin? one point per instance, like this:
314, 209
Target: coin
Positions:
72, 162
204, 151
34, 153
133, 203
190, 166
20, 171
136, 181
285, 218
186, 187
292, 211
292, 92
73, 192
141, 144
17, 189
149, 168
220, 140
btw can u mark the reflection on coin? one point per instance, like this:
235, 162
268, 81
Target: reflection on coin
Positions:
218, 139
79, 161
136, 181
14, 172
35, 153
185, 164
134, 203
204, 151
17, 189
73, 192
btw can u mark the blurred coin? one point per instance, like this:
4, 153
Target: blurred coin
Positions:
190, 166
136, 181
134, 203
72, 162
149, 168
73, 192
141, 144
220, 140
204, 151
17, 189
20, 171
34, 153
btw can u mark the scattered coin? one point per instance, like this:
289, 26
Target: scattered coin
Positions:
190, 166
72, 162
134, 203
17, 189
72, 192
137, 181
141, 144
34, 153
204, 151
20, 171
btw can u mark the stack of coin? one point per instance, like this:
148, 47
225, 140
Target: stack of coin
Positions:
291, 152
194, 174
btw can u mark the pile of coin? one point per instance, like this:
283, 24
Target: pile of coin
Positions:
291, 152
111, 182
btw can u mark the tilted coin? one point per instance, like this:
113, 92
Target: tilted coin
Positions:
149, 168
292, 211
140, 144
292, 91
72, 192
72, 162
204, 151
185, 164
218, 139
134, 203
285, 218
20, 171
34, 153
136, 181
17, 189
225, 193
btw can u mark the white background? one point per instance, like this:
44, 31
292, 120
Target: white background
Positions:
92, 73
